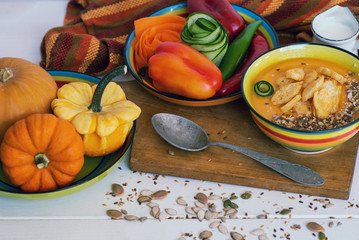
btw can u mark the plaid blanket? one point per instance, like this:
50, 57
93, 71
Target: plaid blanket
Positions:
92, 38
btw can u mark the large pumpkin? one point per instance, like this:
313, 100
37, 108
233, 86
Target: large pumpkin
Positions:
41, 153
25, 88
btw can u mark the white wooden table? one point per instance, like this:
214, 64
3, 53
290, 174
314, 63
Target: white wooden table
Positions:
82, 215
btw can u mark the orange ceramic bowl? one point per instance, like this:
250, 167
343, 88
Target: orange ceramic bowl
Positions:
300, 140
181, 9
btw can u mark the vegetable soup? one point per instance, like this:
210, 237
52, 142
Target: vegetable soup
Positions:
307, 94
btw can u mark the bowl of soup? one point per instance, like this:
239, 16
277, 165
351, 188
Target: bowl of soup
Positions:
304, 96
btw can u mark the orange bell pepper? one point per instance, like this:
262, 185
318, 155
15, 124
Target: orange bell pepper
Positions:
180, 69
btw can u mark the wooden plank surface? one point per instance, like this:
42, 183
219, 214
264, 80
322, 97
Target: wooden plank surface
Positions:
232, 123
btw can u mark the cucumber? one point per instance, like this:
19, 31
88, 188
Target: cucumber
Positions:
205, 34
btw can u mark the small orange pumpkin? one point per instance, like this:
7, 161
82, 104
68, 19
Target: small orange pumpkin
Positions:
25, 88
42, 153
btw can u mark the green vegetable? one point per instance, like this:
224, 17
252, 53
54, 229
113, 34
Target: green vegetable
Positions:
237, 50
205, 34
263, 88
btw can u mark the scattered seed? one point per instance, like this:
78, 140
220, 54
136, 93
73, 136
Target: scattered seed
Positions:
142, 199
189, 210
246, 195
223, 229
131, 218
171, 152
201, 197
214, 224
117, 189
236, 236
152, 204
162, 216
257, 232
171, 211
339, 224
205, 234
114, 214
155, 211
214, 197
285, 211
315, 227
199, 204
321, 236
263, 237
161, 194
200, 215
181, 201
146, 192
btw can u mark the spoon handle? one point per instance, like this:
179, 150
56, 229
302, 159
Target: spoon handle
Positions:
296, 172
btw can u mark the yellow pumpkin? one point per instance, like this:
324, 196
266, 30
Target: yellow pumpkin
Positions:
101, 113
25, 88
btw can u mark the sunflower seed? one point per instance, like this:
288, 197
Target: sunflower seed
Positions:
263, 237
201, 197
214, 224
152, 204
257, 232
262, 216
124, 211
205, 234
200, 215
223, 229
146, 192
214, 197
331, 224
315, 227
155, 211
114, 214
117, 189
189, 210
142, 199
162, 216
142, 219
161, 194
236, 236
171, 211
199, 204
212, 207
181, 238
131, 218
181, 201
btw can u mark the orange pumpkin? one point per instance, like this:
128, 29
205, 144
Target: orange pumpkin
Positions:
25, 88
42, 153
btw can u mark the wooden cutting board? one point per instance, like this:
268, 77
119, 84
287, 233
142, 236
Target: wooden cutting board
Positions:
232, 123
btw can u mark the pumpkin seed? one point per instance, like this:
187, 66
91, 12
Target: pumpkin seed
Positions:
285, 211
199, 204
263, 237
233, 205
226, 203
257, 231
201, 197
233, 197
246, 195
315, 227
236, 236
117, 189
196, 209
162, 216
181, 238
231, 211
214, 197
146, 192
181, 201
189, 210
223, 229
321, 236
200, 215
114, 214
142, 199
131, 218
210, 215
155, 211
205, 234
171, 211
214, 224
161, 194
152, 204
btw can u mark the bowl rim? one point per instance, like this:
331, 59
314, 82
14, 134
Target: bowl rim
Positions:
131, 35
306, 132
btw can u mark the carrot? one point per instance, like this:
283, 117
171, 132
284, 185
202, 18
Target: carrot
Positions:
151, 31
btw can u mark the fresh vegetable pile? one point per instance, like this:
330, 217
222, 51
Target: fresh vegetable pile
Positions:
201, 56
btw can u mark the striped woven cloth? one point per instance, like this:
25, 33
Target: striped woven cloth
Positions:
92, 38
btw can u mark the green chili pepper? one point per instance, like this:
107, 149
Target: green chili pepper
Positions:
237, 50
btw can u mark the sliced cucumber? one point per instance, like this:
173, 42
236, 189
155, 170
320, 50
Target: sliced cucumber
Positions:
205, 34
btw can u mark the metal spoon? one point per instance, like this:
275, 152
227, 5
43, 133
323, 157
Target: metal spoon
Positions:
187, 135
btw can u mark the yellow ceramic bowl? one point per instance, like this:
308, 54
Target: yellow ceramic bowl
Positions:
300, 140
181, 9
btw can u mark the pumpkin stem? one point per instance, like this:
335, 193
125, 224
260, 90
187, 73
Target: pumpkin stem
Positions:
41, 160
5, 74
95, 105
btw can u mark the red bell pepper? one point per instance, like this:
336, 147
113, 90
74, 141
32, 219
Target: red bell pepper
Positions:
180, 69
258, 46
221, 10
